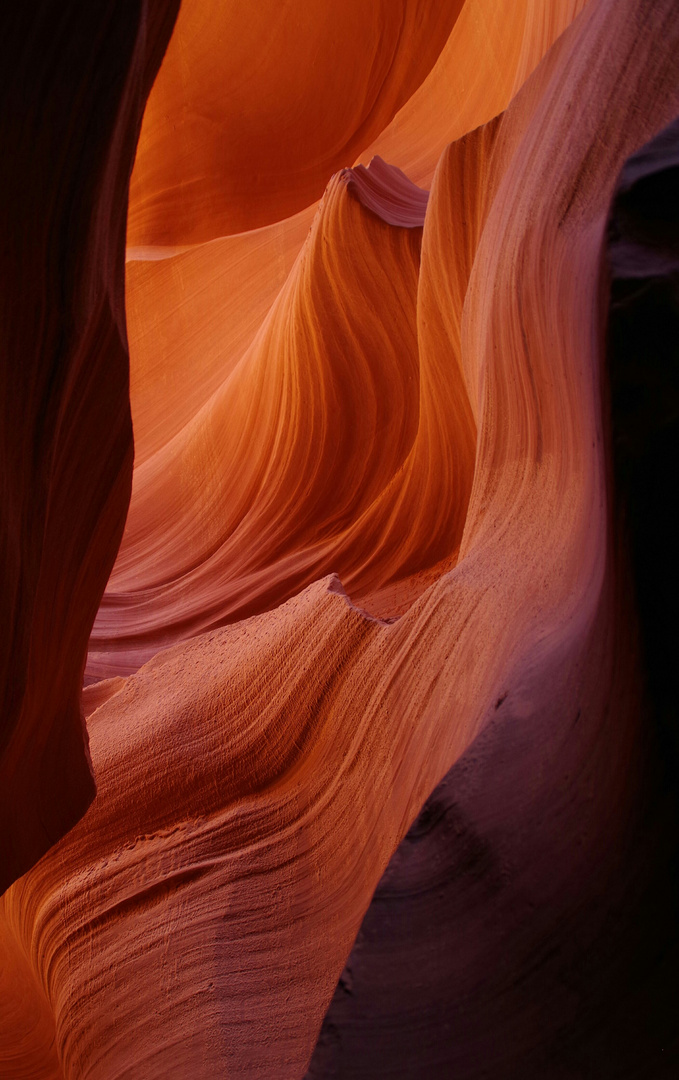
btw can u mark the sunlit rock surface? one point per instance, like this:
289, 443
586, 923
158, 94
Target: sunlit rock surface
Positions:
493, 48
257, 104
392, 512
323, 450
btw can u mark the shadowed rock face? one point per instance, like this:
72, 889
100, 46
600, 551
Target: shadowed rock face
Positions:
457, 969
408, 389
643, 247
73, 80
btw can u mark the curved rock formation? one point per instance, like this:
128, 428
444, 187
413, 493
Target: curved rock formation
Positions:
581, 983
493, 48
206, 304
191, 316
257, 495
74, 80
248, 119
254, 782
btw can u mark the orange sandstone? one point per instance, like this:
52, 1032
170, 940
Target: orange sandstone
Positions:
257, 105
254, 782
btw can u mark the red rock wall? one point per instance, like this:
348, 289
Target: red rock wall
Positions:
74, 80
415, 396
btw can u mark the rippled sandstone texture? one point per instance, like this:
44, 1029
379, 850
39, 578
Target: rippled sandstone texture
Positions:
583, 982
199, 360
254, 782
324, 450
73, 82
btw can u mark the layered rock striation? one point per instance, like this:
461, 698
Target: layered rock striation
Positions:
385, 548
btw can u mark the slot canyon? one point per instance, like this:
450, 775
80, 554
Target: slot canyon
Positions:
339, 447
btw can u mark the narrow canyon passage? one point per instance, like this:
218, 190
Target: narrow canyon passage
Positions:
339, 471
